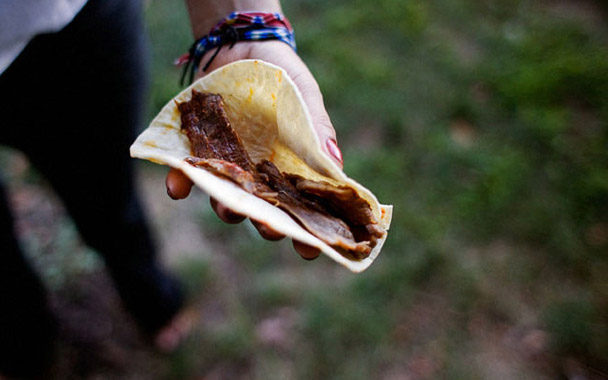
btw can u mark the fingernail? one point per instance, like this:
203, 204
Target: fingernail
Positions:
332, 147
232, 217
178, 186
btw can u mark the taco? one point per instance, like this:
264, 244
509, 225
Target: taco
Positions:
275, 171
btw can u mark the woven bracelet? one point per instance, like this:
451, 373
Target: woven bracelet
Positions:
238, 26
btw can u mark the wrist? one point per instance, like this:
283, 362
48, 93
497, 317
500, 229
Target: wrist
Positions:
205, 14
236, 28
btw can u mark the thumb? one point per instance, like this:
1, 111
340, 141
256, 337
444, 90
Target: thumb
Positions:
311, 93
282, 55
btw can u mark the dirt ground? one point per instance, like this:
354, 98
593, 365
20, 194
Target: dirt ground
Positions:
98, 340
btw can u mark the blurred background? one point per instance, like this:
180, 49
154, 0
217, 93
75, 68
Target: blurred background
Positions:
485, 124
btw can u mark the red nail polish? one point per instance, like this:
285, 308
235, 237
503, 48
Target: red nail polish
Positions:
332, 147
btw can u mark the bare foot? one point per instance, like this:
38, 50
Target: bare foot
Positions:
169, 338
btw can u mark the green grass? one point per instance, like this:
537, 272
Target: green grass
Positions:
507, 226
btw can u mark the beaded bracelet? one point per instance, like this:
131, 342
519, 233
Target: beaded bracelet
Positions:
238, 26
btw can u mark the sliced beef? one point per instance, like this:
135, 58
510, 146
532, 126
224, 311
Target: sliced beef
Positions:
310, 214
208, 129
343, 202
335, 214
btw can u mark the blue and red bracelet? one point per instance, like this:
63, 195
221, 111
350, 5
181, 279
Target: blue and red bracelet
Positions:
238, 26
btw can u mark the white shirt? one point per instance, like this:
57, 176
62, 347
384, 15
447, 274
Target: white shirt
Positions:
21, 20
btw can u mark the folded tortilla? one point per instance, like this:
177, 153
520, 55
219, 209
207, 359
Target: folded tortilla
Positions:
267, 111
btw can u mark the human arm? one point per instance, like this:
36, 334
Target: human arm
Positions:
204, 14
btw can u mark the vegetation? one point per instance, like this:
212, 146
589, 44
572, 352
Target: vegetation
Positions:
485, 124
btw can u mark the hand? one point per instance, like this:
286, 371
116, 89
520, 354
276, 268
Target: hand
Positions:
282, 55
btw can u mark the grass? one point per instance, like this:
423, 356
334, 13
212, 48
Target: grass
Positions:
486, 125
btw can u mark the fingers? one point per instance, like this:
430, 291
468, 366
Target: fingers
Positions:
226, 214
311, 93
307, 252
283, 56
178, 185
231, 217
266, 232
